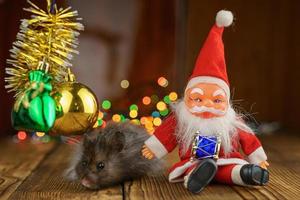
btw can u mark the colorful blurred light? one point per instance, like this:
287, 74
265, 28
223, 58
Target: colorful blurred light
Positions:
149, 126
154, 98
162, 81
100, 122
144, 120
40, 134
100, 115
106, 104
124, 84
173, 96
116, 118
103, 124
167, 99
155, 114
146, 100
22, 135
133, 113
135, 121
123, 118
157, 121
161, 106
134, 107
164, 112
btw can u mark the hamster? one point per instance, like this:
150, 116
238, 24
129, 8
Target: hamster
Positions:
112, 155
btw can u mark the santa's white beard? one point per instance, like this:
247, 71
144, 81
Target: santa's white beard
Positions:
188, 124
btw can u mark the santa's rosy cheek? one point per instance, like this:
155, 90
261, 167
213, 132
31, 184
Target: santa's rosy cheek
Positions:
221, 106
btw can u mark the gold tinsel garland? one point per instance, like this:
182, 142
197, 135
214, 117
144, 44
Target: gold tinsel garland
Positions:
48, 37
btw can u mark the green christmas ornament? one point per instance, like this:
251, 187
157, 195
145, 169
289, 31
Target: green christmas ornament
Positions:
35, 109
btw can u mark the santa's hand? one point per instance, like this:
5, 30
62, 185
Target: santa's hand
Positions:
264, 164
147, 153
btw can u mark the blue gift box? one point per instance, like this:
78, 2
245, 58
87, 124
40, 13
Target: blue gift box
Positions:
206, 146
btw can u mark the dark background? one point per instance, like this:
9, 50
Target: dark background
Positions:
262, 51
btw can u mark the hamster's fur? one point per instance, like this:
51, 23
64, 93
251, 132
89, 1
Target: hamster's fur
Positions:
112, 155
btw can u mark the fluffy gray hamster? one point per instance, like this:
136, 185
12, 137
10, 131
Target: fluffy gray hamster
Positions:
112, 155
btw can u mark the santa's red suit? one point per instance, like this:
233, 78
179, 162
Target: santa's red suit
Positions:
164, 141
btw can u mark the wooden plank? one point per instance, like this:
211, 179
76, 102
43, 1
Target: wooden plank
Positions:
47, 181
160, 188
17, 161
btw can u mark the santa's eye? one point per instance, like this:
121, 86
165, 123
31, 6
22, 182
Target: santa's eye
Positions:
218, 101
196, 100
100, 165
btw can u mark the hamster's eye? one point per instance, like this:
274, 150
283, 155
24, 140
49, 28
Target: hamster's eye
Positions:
84, 163
100, 165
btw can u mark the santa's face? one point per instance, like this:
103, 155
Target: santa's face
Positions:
206, 100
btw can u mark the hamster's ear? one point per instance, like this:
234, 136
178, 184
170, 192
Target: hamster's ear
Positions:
93, 134
117, 141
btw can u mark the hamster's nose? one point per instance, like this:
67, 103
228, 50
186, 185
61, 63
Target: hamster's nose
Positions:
86, 182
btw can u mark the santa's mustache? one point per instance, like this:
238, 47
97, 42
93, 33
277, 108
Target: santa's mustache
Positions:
202, 109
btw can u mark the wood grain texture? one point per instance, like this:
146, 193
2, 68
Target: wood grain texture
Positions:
30, 171
160, 188
47, 182
17, 161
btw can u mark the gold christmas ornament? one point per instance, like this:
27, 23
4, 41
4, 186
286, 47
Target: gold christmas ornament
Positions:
77, 108
50, 36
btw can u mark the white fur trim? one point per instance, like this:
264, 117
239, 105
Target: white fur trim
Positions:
219, 92
236, 175
257, 156
224, 18
174, 176
186, 178
229, 161
209, 79
197, 90
156, 146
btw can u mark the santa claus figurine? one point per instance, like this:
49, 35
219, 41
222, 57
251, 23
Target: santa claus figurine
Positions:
206, 111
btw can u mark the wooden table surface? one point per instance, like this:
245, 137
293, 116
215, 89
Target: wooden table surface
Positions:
34, 171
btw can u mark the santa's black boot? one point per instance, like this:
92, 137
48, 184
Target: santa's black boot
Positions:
201, 176
254, 175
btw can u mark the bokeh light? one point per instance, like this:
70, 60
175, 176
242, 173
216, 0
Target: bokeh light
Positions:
173, 96
162, 81
100, 115
134, 107
154, 98
106, 104
161, 105
155, 114
144, 120
116, 118
157, 121
146, 100
100, 122
164, 112
135, 121
40, 134
167, 99
22, 135
133, 113
123, 118
124, 84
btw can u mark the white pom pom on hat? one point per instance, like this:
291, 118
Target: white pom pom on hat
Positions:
224, 18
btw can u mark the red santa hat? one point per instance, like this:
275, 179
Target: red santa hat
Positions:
210, 66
